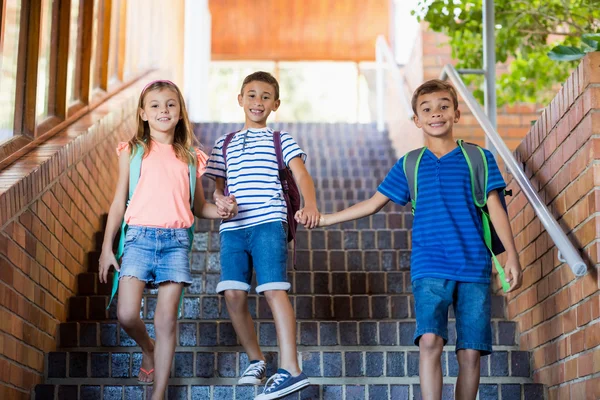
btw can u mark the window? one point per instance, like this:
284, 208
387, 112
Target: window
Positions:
94, 70
74, 65
43, 78
10, 17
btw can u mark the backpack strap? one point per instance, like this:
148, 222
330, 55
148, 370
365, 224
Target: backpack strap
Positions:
478, 169
411, 162
278, 153
226, 142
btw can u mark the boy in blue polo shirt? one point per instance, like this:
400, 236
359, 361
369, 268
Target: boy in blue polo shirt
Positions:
256, 238
450, 263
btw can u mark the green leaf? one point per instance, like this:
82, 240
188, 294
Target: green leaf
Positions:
565, 53
592, 41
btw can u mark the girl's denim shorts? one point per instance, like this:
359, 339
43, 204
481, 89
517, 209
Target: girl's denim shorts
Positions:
157, 255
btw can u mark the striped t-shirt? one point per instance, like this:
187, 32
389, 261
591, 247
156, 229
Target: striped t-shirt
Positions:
252, 175
447, 236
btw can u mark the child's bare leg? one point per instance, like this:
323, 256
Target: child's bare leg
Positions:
237, 306
285, 325
165, 325
468, 374
128, 313
430, 366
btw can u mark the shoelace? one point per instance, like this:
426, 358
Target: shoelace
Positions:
277, 379
255, 369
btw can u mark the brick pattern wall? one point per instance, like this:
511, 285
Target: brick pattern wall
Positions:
53, 201
559, 315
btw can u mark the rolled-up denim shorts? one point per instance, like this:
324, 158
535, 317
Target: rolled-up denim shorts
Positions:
262, 248
472, 309
157, 255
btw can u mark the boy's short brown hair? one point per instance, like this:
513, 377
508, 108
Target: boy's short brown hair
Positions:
262, 76
432, 86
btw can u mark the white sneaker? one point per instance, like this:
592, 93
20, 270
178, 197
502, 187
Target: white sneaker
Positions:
255, 374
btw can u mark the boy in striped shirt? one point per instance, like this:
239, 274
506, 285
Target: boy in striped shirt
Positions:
450, 263
256, 238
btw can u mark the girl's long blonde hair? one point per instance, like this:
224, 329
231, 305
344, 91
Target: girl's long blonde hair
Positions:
184, 134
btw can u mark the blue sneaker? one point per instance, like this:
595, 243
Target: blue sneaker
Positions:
281, 384
255, 374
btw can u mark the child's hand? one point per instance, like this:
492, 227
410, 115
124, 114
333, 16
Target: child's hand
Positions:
308, 216
513, 273
107, 258
226, 206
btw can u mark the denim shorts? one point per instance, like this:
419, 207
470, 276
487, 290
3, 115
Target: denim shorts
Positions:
157, 255
262, 248
471, 302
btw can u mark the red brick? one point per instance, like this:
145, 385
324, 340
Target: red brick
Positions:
592, 336
577, 342
585, 364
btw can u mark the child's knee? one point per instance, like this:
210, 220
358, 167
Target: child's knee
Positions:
275, 295
235, 300
165, 323
468, 358
127, 317
431, 343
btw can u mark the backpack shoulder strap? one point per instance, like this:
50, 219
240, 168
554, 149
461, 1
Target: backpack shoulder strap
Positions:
411, 162
478, 169
278, 152
226, 145
193, 168
135, 169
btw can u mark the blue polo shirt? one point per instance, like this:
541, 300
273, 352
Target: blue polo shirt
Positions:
447, 236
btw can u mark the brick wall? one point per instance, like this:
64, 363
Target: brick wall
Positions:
53, 201
559, 315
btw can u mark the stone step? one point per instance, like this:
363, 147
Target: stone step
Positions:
331, 334
208, 362
325, 307
320, 389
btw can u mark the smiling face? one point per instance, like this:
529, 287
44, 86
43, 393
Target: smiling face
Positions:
436, 114
161, 109
258, 99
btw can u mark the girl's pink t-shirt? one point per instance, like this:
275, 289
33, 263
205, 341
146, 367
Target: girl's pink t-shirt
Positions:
162, 196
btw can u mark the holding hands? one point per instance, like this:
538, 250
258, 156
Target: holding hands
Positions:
226, 206
309, 216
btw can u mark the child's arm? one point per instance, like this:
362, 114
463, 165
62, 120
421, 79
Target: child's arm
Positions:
501, 223
310, 211
115, 218
224, 207
359, 210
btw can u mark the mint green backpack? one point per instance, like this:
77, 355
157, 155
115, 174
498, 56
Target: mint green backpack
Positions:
478, 168
135, 169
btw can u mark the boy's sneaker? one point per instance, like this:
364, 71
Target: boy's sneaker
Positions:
255, 374
281, 384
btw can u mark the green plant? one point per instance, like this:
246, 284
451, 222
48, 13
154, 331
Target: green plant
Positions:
526, 30
589, 42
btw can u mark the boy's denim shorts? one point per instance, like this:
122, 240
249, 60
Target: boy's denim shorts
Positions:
471, 302
157, 255
262, 248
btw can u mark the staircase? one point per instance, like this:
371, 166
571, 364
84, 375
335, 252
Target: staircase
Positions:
351, 293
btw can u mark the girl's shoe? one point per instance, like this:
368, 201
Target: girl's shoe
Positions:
147, 373
255, 374
281, 384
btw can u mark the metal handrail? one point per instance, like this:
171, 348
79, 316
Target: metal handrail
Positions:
385, 60
566, 251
